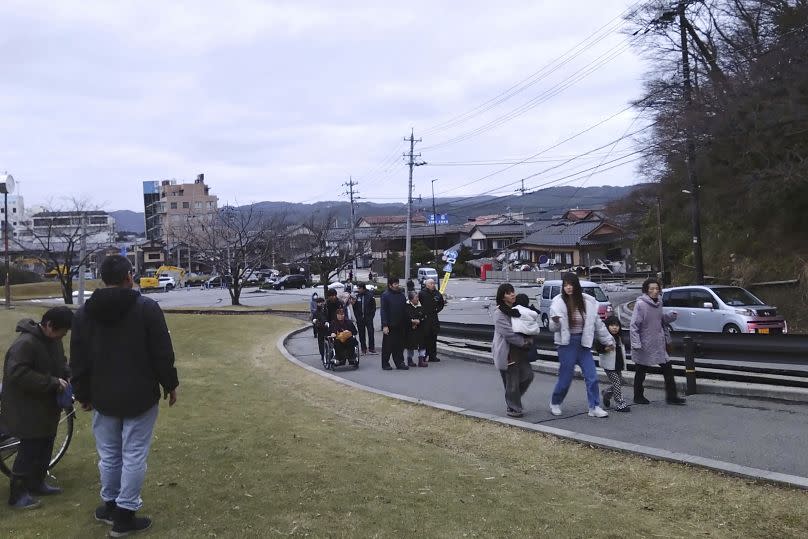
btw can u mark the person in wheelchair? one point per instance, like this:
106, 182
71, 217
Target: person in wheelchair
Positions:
343, 333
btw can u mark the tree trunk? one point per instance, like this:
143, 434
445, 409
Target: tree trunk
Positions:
235, 294
67, 291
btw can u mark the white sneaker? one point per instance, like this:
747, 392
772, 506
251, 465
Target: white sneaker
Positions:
555, 409
597, 411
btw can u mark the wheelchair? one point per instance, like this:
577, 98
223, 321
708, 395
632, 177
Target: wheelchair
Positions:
330, 361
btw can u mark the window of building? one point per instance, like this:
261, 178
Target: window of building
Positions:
211, 204
2, 210
186, 205
198, 205
13, 210
153, 256
173, 205
98, 220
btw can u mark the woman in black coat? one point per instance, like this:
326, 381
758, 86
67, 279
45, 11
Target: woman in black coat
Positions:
35, 371
415, 335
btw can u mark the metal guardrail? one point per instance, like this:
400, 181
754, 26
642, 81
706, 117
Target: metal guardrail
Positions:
766, 354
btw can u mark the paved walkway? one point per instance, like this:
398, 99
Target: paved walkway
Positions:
763, 434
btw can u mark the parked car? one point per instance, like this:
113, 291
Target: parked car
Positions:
552, 288
427, 273
291, 281
216, 281
339, 287
727, 309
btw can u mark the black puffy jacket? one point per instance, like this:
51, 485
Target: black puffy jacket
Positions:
121, 353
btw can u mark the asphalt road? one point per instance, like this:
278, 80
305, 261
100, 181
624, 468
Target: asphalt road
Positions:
757, 433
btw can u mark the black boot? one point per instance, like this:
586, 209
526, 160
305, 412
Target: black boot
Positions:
670, 386
126, 523
106, 513
18, 497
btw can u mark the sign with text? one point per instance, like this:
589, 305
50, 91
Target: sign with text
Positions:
443, 219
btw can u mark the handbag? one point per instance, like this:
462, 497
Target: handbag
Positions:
344, 336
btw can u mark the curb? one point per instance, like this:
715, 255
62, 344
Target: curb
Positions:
704, 386
728, 468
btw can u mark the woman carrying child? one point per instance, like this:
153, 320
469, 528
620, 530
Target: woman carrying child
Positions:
415, 335
613, 363
510, 351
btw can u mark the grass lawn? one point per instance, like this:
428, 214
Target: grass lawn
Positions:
257, 447
46, 289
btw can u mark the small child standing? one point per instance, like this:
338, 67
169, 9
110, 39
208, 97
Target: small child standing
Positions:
525, 321
613, 363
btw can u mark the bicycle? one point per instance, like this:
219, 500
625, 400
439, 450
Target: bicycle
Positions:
64, 434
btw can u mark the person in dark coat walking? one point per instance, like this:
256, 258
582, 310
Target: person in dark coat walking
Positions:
414, 340
121, 355
364, 311
313, 310
35, 371
394, 318
432, 301
319, 319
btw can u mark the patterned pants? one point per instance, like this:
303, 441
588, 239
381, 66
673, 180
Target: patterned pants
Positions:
614, 392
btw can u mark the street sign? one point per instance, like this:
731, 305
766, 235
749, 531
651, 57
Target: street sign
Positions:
543, 259
443, 219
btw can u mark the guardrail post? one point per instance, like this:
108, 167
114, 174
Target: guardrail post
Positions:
690, 365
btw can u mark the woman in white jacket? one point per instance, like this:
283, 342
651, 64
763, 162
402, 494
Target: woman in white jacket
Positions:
574, 320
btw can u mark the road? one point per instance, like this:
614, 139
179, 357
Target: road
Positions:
757, 433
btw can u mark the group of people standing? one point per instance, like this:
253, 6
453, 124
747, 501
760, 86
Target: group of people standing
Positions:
577, 329
409, 322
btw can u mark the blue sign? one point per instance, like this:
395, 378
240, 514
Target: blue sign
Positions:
447, 268
443, 219
123, 251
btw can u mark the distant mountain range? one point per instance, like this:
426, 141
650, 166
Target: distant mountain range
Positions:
543, 203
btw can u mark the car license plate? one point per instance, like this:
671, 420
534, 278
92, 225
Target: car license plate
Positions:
763, 330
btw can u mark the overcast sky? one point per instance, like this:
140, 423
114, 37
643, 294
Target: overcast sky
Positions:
286, 100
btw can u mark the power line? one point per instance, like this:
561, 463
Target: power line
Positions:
548, 94
536, 76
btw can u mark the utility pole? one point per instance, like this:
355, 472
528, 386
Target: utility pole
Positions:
82, 254
659, 239
522, 190
691, 147
434, 223
351, 193
412, 163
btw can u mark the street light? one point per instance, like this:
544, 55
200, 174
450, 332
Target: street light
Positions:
6, 187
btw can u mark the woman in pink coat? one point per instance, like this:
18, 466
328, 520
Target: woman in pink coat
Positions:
650, 341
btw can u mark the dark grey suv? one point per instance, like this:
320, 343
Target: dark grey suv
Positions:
291, 281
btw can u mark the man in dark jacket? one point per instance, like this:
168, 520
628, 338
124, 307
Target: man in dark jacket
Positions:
120, 355
365, 310
433, 303
394, 318
35, 371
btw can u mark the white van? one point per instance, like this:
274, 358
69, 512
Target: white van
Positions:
427, 273
551, 289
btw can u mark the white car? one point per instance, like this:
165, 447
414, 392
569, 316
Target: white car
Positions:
339, 287
166, 283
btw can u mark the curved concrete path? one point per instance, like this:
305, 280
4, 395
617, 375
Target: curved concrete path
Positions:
757, 439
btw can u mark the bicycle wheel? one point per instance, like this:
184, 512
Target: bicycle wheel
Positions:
64, 434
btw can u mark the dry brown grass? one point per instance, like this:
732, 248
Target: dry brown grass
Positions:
258, 447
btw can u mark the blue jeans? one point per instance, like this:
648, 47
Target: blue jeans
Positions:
123, 446
568, 356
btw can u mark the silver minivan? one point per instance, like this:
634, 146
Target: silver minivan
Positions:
727, 309
551, 289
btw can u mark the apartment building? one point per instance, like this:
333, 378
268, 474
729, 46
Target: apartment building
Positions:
171, 207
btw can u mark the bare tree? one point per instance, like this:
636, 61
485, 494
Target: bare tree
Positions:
55, 238
325, 246
233, 241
